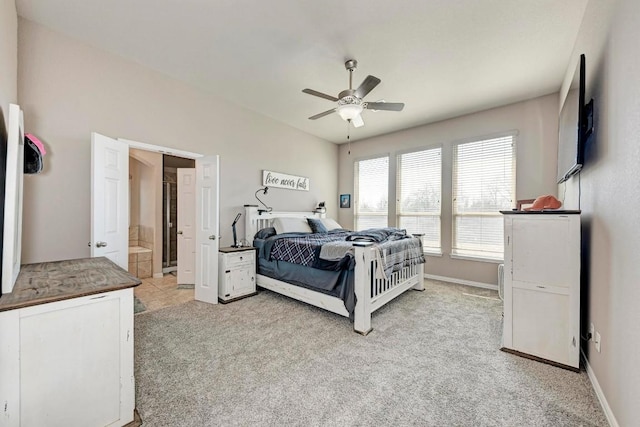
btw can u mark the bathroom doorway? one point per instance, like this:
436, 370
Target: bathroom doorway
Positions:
171, 206
113, 190
156, 202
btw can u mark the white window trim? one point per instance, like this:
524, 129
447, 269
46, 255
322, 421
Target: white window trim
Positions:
476, 258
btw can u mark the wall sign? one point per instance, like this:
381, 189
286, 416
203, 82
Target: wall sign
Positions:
282, 180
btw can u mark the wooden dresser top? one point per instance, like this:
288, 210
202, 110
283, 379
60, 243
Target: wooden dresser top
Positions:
59, 280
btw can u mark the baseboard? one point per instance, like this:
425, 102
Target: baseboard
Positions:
158, 275
462, 282
596, 387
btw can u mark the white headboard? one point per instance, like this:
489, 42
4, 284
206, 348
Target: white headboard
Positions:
255, 220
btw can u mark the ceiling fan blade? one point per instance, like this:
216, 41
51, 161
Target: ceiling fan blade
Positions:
367, 86
357, 121
388, 106
320, 94
324, 113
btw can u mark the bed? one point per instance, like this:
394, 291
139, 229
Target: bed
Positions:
353, 286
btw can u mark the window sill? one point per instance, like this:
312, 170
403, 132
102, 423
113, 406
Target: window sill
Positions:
476, 258
432, 254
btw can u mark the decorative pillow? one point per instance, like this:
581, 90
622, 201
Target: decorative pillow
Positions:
330, 224
265, 233
316, 225
291, 225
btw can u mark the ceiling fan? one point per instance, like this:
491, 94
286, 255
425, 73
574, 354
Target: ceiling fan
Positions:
350, 103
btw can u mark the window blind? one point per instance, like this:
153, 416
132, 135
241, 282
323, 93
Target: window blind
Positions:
419, 184
371, 178
483, 184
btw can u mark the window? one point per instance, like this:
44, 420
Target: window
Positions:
418, 193
483, 184
371, 179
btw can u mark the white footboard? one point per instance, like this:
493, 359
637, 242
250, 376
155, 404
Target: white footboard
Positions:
372, 292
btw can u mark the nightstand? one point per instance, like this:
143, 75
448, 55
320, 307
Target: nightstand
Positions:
236, 273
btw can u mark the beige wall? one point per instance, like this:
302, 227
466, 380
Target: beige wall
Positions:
8, 55
610, 202
69, 89
134, 192
149, 170
537, 123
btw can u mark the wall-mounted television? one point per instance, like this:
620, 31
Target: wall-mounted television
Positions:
572, 126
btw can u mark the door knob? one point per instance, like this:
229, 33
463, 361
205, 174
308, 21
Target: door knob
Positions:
101, 244
179, 232
212, 237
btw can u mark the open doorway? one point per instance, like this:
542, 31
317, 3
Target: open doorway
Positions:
173, 203
157, 206
110, 210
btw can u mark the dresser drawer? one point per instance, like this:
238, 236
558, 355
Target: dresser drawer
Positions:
240, 259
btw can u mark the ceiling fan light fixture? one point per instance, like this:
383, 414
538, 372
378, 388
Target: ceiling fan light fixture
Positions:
349, 111
350, 101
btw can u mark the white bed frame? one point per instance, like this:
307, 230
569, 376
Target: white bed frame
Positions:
371, 292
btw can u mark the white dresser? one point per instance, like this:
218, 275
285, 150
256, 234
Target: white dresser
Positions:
67, 345
542, 286
237, 273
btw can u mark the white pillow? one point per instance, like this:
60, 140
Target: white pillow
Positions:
330, 224
291, 225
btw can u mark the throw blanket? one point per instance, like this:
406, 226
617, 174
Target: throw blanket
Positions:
378, 235
334, 251
394, 255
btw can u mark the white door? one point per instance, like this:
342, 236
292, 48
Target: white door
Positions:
186, 225
207, 229
110, 199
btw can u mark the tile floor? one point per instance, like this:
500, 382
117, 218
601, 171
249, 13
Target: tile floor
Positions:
161, 293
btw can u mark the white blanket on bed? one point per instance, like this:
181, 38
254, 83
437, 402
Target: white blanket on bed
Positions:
335, 251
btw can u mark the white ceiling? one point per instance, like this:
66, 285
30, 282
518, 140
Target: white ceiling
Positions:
442, 58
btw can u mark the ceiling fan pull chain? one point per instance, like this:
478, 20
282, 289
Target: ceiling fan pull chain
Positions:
349, 135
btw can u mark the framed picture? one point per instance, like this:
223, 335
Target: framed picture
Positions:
345, 200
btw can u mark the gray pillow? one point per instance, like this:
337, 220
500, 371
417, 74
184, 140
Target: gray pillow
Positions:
265, 233
316, 225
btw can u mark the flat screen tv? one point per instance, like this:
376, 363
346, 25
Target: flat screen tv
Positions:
572, 126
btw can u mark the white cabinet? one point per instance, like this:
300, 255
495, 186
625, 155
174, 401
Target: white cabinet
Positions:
69, 363
237, 273
542, 285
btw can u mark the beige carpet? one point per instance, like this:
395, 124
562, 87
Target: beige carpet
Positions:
433, 359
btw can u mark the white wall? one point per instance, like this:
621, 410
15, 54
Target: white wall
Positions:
69, 89
607, 192
8, 55
536, 121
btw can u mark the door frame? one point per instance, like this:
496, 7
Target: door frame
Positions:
161, 150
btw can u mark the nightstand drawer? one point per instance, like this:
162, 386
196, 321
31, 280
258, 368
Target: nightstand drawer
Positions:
240, 259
